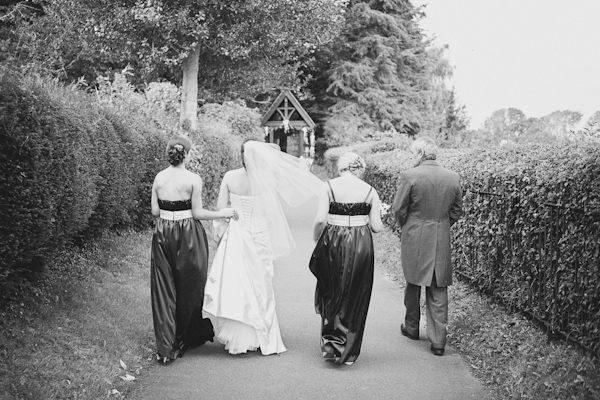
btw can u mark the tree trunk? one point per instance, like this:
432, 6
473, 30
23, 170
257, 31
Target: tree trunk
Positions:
188, 116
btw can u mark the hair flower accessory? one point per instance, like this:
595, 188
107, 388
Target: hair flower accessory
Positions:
178, 147
355, 165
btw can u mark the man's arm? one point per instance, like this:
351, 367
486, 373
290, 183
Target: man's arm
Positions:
402, 200
456, 208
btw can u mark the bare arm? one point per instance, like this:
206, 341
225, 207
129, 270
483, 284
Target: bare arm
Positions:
154, 208
321, 217
199, 212
375, 213
223, 199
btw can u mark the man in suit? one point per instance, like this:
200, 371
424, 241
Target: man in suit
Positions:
428, 202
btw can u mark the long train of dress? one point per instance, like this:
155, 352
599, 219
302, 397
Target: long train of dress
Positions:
239, 297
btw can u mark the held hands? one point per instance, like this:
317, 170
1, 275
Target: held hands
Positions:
230, 213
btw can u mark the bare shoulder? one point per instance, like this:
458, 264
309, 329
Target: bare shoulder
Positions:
193, 177
236, 172
161, 176
234, 175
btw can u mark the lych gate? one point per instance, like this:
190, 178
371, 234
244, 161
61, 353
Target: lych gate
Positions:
289, 125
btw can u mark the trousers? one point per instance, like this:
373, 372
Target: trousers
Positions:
436, 301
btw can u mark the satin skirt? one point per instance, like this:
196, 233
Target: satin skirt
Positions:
239, 298
179, 265
343, 263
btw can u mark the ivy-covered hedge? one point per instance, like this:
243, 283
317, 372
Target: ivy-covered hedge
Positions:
530, 235
70, 169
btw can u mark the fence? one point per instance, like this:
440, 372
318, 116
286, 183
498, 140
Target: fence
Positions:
545, 265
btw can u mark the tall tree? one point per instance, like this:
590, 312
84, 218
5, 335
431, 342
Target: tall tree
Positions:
504, 124
456, 120
381, 69
560, 123
594, 119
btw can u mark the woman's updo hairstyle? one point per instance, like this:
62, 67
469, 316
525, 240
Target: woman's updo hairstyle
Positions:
352, 162
242, 152
177, 148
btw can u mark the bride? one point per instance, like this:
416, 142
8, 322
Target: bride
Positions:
239, 297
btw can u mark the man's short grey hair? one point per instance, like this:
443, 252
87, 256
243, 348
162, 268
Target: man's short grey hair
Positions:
427, 145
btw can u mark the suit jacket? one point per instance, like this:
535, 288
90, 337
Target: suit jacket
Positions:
428, 202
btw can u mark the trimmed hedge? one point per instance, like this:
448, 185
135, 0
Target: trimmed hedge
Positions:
74, 165
70, 169
530, 236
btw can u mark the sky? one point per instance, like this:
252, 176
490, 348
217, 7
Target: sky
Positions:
538, 56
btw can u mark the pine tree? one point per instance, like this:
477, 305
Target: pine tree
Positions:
381, 69
456, 121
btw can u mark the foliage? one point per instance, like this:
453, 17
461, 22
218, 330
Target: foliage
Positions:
231, 118
380, 75
210, 158
533, 242
387, 145
454, 129
512, 126
72, 168
382, 70
246, 47
346, 127
594, 119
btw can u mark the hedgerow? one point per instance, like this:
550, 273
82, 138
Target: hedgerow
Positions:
70, 169
76, 164
530, 235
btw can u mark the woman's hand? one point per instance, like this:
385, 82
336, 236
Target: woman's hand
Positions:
229, 213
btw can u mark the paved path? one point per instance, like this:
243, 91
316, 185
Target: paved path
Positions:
390, 366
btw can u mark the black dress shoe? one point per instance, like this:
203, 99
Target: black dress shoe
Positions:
436, 351
408, 335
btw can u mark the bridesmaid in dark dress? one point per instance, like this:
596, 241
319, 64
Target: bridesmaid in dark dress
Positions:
179, 259
343, 259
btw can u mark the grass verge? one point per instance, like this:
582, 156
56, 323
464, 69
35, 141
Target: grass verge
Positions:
85, 330
509, 354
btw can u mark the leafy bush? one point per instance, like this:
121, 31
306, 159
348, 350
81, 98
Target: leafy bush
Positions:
211, 157
366, 149
75, 165
530, 235
71, 169
345, 129
230, 118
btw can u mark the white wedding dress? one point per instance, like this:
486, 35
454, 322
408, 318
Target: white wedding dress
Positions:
239, 297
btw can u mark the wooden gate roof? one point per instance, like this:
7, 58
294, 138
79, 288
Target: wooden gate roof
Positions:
286, 106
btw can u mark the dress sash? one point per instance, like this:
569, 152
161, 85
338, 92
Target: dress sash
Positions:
347, 220
175, 215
